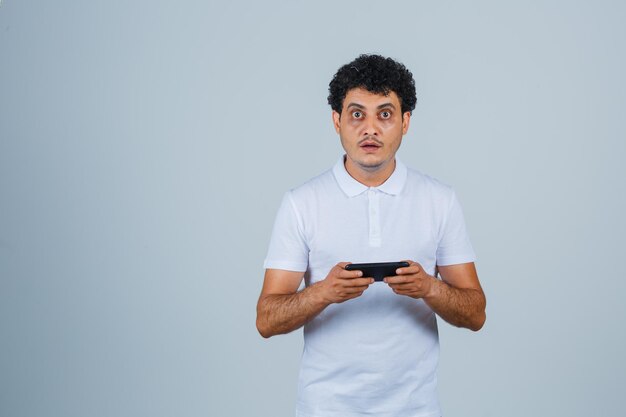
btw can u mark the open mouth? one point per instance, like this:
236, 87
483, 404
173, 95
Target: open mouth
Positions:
370, 146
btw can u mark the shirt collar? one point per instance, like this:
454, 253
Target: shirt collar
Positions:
352, 187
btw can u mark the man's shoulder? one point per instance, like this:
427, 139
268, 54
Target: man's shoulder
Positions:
321, 183
417, 180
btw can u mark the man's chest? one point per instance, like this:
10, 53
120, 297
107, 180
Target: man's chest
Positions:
373, 229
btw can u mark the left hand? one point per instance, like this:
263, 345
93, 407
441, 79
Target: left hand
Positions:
412, 281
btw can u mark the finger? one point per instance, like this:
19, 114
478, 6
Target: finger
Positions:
411, 269
413, 266
404, 290
407, 293
402, 286
349, 274
357, 282
354, 295
342, 265
354, 290
398, 290
348, 293
397, 279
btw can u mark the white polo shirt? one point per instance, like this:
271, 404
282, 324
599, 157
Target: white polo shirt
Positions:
375, 355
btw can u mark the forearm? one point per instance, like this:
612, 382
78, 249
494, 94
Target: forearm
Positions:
283, 313
461, 307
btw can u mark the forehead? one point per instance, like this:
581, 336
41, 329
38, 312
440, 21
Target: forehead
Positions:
367, 99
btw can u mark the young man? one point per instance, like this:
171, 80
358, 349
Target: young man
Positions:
370, 348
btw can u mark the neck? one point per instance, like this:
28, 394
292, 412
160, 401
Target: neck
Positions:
370, 176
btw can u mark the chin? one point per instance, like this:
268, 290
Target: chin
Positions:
370, 165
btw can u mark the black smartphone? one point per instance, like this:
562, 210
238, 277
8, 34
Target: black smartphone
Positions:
377, 270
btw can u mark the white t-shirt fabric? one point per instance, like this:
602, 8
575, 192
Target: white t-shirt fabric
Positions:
377, 354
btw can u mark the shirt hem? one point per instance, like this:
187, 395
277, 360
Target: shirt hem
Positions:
339, 413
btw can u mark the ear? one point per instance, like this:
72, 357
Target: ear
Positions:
406, 120
336, 120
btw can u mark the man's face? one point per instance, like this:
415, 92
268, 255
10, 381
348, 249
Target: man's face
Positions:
371, 127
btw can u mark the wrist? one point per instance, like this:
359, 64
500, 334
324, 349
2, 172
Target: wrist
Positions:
317, 294
434, 289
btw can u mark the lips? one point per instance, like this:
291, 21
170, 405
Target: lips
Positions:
369, 145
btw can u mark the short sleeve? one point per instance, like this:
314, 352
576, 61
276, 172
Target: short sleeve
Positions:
288, 249
454, 243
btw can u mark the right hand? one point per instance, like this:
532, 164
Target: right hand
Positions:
341, 285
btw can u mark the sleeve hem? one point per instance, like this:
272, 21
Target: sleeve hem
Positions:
454, 260
286, 265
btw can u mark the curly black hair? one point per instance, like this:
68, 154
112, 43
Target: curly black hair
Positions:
376, 74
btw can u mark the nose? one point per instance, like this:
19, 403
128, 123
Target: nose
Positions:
370, 127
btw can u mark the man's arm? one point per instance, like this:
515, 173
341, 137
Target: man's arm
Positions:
282, 308
458, 298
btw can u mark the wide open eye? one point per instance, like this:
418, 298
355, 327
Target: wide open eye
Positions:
357, 114
385, 114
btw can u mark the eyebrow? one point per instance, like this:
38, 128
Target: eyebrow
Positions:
382, 106
357, 105
360, 106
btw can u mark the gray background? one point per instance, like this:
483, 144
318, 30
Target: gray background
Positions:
145, 146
